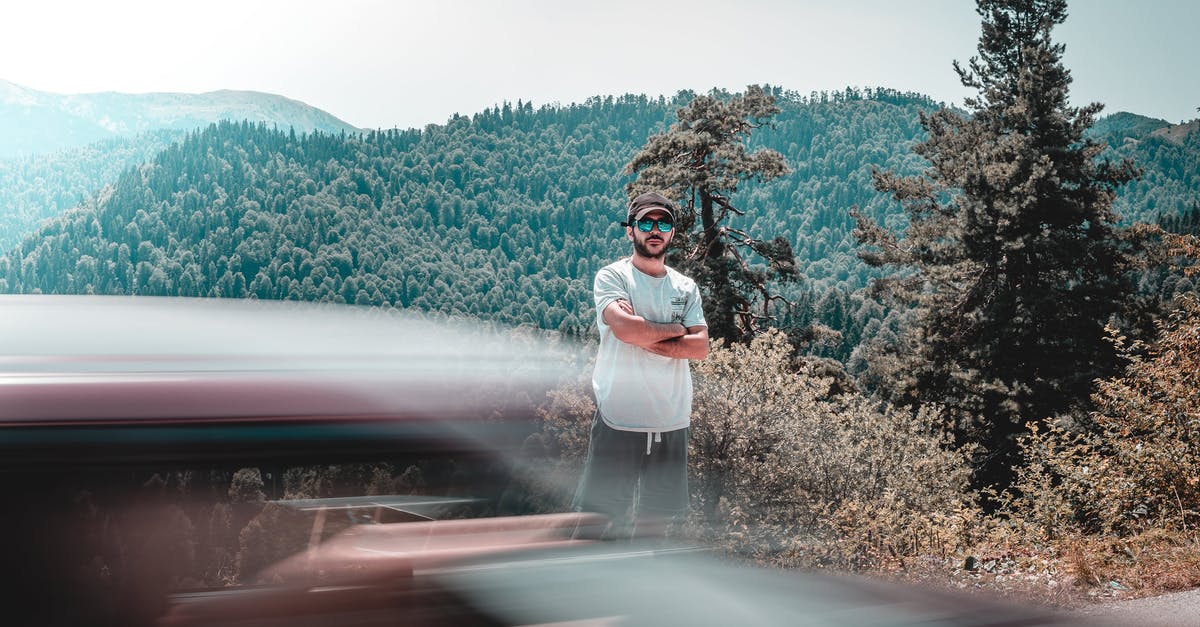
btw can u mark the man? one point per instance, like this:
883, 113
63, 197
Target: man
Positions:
651, 323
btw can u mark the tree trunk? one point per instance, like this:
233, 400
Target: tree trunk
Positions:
720, 312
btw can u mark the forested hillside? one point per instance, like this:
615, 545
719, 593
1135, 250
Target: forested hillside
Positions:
496, 216
1170, 183
504, 215
33, 189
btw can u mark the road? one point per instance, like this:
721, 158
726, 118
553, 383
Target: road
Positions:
1178, 609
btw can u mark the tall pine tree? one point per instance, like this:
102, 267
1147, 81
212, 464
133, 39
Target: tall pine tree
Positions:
701, 160
1011, 256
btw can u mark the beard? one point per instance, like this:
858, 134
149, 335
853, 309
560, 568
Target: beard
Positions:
644, 251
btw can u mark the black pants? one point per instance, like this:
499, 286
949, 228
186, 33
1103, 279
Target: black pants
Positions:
645, 470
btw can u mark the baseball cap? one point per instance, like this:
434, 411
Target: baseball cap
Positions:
646, 202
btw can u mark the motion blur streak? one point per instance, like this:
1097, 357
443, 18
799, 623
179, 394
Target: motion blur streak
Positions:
181, 462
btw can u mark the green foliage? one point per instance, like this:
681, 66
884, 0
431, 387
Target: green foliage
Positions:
1186, 223
1012, 256
35, 189
1167, 193
504, 215
702, 159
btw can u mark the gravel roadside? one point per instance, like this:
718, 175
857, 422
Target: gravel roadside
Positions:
1178, 609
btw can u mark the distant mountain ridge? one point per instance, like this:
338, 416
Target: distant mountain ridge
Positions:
1177, 133
1123, 125
503, 215
35, 122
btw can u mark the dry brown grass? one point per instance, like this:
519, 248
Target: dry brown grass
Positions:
1146, 565
1066, 574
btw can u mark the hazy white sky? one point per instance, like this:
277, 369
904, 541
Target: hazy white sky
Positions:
380, 63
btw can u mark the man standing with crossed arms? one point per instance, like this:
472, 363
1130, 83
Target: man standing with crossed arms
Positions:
651, 323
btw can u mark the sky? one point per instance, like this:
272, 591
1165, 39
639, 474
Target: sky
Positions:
401, 63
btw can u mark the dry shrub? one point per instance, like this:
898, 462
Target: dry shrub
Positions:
1155, 561
888, 533
1136, 469
1120, 498
786, 472
567, 419
1050, 500
276, 533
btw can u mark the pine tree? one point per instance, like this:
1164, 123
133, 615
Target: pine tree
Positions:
1011, 256
702, 160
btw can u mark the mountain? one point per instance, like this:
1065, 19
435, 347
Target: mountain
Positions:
1169, 156
502, 215
34, 122
56, 150
1122, 126
1177, 133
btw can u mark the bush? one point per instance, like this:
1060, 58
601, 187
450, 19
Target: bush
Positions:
790, 472
1133, 469
790, 469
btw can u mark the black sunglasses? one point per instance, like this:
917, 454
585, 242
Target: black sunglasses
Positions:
646, 224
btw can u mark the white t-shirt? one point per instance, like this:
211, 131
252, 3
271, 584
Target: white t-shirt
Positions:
637, 390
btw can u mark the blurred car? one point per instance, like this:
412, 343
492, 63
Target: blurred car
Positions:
204, 462
155, 447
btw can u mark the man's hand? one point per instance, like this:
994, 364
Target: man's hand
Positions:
692, 345
634, 329
669, 339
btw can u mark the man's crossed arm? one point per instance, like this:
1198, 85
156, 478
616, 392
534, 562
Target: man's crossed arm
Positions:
669, 339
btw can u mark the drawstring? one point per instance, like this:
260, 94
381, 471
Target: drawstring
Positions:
657, 437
